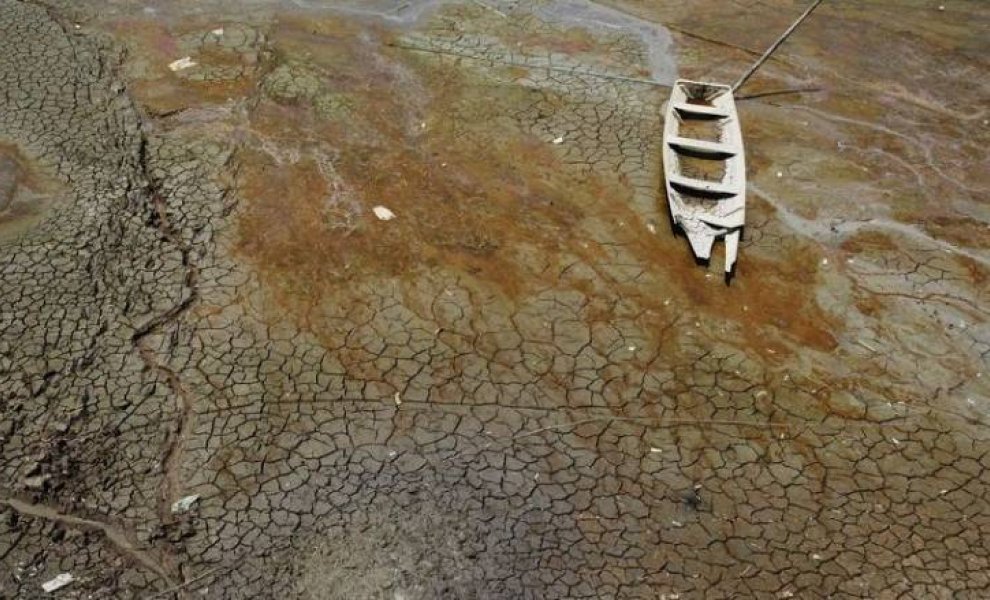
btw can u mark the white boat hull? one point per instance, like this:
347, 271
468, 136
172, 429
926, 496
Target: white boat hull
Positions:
705, 167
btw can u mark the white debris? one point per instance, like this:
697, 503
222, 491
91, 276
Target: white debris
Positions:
559, 140
656, 450
677, 523
652, 227
60, 581
183, 63
398, 399
218, 31
383, 213
816, 556
824, 261
184, 504
780, 174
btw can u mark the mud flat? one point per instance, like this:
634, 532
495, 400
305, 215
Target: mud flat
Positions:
223, 374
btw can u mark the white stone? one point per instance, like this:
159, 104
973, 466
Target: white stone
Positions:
383, 213
183, 63
60, 581
184, 504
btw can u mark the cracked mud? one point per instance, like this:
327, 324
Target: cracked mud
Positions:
222, 376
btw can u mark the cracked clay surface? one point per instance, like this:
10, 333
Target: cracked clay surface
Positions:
221, 376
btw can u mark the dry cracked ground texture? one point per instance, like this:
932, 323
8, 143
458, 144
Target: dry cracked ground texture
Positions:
522, 386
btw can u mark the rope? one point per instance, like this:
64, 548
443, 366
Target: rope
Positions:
774, 47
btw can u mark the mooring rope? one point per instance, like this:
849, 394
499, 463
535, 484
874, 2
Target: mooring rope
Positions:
759, 62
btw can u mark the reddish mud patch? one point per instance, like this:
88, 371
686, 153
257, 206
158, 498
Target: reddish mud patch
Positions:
570, 42
161, 91
766, 297
466, 199
961, 231
469, 190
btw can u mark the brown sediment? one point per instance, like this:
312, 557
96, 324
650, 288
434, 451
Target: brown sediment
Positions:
701, 129
161, 91
701, 167
569, 41
767, 298
966, 232
868, 240
25, 193
460, 202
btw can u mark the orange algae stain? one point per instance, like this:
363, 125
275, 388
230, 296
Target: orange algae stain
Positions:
470, 191
467, 197
766, 297
160, 90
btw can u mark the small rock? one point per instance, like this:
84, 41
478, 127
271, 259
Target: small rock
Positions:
183, 63
383, 213
60, 581
184, 504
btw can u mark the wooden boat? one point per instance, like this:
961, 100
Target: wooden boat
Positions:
705, 167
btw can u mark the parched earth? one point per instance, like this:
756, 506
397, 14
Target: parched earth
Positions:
221, 376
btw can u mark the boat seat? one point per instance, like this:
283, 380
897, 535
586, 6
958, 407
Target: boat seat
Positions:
702, 146
701, 109
702, 187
